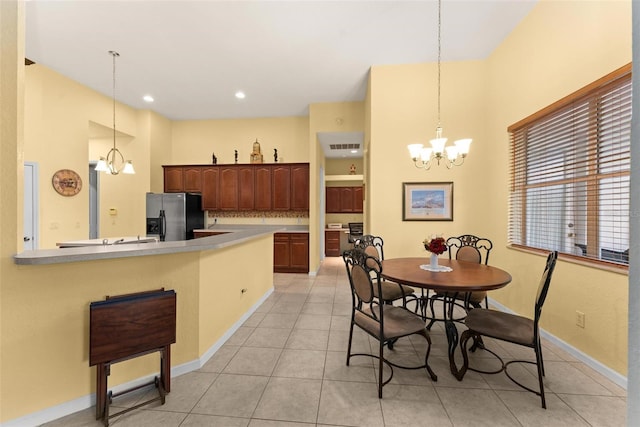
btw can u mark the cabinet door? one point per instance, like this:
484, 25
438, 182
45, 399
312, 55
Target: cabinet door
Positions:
346, 199
263, 188
173, 182
299, 245
228, 189
281, 252
281, 188
246, 183
332, 243
192, 178
210, 178
358, 199
332, 200
300, 187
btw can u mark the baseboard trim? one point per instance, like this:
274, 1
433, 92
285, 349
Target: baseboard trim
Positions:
609, 373
85, 402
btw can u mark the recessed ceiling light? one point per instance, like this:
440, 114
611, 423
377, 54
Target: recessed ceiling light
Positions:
240, 94
354, 151
148, 98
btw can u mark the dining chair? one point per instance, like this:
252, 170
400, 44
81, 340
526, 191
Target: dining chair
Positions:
384, 322
373, 246
356, 230
510, 328
466, 247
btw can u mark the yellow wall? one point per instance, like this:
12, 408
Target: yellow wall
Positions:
60, 118
404, 111
45, 341
322, 118
558, 48
194, 141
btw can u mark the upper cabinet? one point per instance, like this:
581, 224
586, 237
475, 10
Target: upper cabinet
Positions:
246, 187
178, 179
344, 200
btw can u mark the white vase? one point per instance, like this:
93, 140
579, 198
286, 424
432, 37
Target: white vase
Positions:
433, 261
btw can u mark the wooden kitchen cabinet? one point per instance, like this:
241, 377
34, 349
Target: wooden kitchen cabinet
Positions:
344, 200
246, 188
300, 187
228, 189
192, 179
291, 252
332, 242
210, 177
281, 187
263, 187
173, 179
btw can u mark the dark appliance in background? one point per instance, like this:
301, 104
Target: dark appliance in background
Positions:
174, 216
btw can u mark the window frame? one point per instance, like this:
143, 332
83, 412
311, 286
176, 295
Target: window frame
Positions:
519, 174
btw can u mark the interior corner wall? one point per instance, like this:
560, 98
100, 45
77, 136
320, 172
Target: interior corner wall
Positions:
58, 112
404, 111
559, 48
160, 148
325, 117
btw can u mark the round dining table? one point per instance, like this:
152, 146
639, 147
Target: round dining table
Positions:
464, 277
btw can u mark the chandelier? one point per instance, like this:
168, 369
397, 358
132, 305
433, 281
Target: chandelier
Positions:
114, 162
452, 155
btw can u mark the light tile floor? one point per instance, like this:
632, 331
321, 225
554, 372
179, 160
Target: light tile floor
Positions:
286, 367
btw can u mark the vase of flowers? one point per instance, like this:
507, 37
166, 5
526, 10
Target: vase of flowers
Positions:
436, 245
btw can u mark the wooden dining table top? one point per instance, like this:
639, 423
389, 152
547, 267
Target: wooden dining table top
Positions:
465, 276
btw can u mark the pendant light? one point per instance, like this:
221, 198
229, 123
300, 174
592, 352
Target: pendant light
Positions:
114, 162
453, 155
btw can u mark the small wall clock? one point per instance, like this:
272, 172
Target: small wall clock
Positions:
66, 182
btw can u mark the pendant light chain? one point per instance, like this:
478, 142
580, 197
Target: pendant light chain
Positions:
114, 54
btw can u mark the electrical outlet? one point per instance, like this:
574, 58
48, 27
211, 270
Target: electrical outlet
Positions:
579, 319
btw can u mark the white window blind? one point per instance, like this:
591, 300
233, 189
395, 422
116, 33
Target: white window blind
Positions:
569, 188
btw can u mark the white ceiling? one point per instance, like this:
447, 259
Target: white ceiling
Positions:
192, 56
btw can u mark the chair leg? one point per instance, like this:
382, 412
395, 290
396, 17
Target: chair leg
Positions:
539, 351
380, 367
540, 375
486, 302
350, 340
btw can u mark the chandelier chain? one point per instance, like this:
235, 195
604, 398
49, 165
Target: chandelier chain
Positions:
439, 54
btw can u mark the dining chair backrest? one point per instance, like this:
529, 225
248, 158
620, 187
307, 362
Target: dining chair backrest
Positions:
469, 248
543, 286
356, 230
372, 246
362, 278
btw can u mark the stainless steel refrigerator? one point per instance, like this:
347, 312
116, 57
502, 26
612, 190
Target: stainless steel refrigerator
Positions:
173, 216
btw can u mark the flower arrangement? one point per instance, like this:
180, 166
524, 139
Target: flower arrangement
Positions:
435, 245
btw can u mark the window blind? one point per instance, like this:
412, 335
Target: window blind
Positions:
569, 173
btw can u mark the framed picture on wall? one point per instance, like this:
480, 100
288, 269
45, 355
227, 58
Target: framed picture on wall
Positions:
427, 201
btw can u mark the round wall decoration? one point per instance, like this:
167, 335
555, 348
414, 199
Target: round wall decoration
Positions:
66, 182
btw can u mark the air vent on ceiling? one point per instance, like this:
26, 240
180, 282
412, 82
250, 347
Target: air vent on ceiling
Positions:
344, 146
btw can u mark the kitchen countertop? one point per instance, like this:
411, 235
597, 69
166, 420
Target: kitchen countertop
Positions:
107, 241
237, 234
230, 228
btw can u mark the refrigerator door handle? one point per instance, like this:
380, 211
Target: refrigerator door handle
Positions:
163, 225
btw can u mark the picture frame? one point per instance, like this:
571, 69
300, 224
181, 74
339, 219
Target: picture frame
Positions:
427, 201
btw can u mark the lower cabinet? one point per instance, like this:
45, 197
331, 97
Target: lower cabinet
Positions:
332, 242
291, 252
203, 233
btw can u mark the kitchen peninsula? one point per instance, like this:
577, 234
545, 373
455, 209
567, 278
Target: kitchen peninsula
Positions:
219, 281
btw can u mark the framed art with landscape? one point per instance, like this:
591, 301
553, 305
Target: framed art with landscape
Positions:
427, 201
